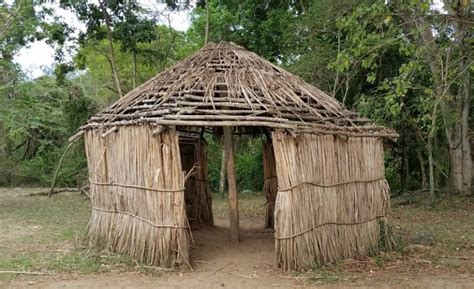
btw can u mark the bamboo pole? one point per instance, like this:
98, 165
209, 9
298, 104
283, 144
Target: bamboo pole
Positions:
232, 183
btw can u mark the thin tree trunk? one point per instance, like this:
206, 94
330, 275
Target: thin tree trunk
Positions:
113, 63
336, 79
206, 35
232, 182
58, 168
431, 169
430, 139
134, 72
465, 99
404, 170
222, 174
422, 170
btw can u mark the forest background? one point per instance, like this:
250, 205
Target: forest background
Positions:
403, 64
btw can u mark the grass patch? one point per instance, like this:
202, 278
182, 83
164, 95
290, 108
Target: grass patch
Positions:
48, 234
20, 263
446, 225
250, 205
325, 277
77, 261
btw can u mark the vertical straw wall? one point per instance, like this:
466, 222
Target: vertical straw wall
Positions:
270, 186
332, 198
203, 199
197, 193
187, 164
137, 195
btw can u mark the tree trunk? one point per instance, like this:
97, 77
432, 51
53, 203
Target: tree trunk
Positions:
404, 170
457, 132
134, 72
232, 183
431, 169
222, 174
460, 159
113, 64
206, 33
422, 170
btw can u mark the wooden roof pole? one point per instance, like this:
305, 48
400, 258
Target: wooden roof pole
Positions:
232, 183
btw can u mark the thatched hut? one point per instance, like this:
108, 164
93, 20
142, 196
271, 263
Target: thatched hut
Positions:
327, 195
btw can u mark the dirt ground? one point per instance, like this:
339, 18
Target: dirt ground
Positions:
220, 263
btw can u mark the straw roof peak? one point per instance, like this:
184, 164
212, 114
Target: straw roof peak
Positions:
224, 84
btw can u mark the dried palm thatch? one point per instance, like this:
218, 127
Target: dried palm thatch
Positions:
270, 187
136, 190
225, 85
332, 198
197, 191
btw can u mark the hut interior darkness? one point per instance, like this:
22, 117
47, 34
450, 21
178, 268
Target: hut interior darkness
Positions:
327, 197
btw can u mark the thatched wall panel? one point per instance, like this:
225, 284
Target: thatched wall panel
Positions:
332, 197
198, 192
270, 187
137, 195
203, 200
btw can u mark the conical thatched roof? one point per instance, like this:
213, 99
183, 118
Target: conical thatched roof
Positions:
224, 84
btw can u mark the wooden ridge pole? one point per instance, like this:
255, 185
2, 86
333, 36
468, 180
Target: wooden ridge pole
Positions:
232, 183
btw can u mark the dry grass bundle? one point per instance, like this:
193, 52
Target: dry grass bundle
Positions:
197, 193
136, 187
224, 84
332, 198
270, 187
204, 196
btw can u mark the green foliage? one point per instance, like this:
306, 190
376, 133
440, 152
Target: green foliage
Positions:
369, 55
168, 47
376, 64
38, 121
18, 23
214, 154
248, 163
258, 26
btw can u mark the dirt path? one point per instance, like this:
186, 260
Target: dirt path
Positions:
220, 263
217, 263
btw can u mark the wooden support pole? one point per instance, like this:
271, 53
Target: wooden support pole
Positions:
232, 183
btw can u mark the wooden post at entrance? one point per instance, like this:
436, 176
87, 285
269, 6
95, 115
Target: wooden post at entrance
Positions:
232, 183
